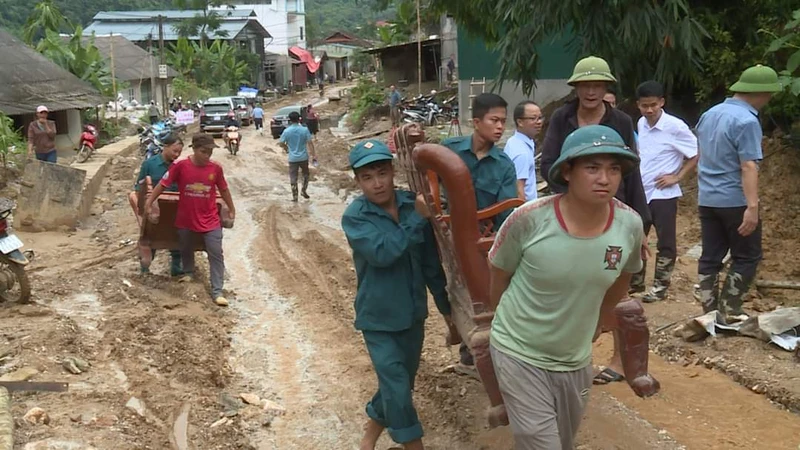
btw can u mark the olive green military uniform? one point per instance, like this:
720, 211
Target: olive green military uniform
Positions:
155, 167
493, 177
395, 261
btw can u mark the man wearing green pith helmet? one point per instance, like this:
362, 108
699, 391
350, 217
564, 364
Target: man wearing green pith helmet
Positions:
729, 136
558, 267
592, 79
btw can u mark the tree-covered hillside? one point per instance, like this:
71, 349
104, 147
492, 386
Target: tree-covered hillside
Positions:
323, 16
80, 12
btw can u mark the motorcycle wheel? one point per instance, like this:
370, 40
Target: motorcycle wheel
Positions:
24, 284
83, 154
235, 149
230, 148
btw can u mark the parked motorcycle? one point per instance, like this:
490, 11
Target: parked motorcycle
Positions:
232, 139
87, 143
14, 283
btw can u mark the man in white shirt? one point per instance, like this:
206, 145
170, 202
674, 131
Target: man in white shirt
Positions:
521, 148
668, 151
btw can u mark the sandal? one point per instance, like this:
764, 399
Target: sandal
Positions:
607, 376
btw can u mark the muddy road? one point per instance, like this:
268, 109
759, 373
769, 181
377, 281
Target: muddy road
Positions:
288, 339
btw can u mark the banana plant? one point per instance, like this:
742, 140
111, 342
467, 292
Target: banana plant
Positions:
45, 17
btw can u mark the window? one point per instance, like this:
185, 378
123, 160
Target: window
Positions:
301, 33
131, 94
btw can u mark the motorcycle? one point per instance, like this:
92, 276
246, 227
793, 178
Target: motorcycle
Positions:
12, 260
87, 143
232, 139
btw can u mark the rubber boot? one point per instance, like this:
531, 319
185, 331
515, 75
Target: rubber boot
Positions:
294, 192
305, 187
709, 291
175, 265
661, 280
732, 296
637, 282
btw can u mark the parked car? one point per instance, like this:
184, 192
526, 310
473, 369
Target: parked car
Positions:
214, 114
281, 119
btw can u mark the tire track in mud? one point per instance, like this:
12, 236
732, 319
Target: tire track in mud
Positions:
306, 261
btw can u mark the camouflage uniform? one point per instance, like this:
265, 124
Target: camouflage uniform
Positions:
664, 213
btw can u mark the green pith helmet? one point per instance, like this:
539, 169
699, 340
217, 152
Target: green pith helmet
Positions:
591, 68
757, 79
593, 140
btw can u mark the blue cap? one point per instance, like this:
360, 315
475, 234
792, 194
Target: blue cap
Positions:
368, 152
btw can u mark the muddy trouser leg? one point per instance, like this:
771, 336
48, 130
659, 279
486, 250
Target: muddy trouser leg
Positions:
465, 356
746, 254
395, 357
714, 238
216, 261
544, 408
665, 214
186, 246
637, 281
175, 266
293, 168
304, 169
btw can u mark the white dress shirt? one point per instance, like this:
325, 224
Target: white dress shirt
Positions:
662, 149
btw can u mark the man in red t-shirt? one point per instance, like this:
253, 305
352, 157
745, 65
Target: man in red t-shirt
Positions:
198, 179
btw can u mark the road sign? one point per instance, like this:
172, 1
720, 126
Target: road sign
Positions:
162, 71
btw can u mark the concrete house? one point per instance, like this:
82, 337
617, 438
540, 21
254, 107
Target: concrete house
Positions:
136, 66
340, 48
399, 62
30, 79
240, 26
286, 22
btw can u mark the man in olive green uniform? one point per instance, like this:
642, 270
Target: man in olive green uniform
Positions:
493, 174
395, 256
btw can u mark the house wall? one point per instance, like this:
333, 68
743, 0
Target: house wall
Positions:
474, 62
285, 20
449, 47
400, 63
143, 94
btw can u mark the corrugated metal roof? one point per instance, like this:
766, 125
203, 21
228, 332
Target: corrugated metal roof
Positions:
169, 14
30, 79
141, 31
131, 62
427, 42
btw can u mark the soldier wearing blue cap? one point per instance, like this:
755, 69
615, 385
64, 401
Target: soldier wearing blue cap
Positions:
545, 321
396, 258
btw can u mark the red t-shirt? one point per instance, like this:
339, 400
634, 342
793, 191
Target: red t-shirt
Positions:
197, 207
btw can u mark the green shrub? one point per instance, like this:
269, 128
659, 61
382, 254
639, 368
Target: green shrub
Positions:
366, 95
12, 146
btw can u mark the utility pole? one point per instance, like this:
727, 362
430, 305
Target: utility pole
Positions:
419, 51
113, 77
163, 62
153, 96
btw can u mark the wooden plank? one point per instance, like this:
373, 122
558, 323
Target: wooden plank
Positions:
766, 284
368, 135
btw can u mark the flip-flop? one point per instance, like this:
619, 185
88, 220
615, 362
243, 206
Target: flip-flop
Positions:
607, 376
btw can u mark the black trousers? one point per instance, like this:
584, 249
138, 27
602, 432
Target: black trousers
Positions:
719, 230
664, 214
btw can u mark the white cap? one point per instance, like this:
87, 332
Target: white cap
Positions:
41, 108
